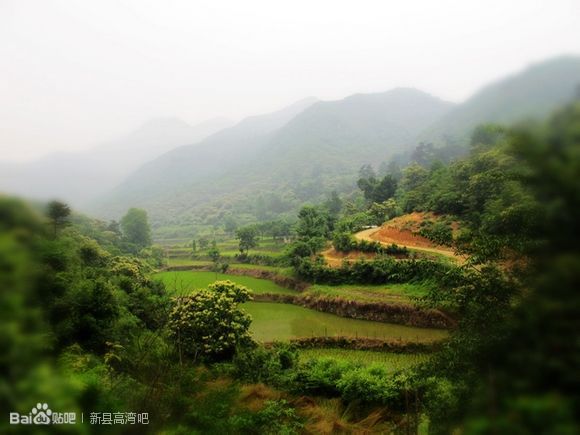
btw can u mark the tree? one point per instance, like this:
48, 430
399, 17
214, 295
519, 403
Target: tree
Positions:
312, 223
367, 172
378, 190
135, 227
334, 204
248, 239
423, 154
385, 189
58, 212
114, 227
511, 364
203, 242
382, 212
208, 324
214, 252
215, 256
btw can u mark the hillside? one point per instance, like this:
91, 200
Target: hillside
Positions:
316, 148
532, 93
100, 168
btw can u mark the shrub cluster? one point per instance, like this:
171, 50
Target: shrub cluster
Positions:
262, 364
261, 260
345, 242
380, 270
437, 232
353, 382
208, 324
373, 384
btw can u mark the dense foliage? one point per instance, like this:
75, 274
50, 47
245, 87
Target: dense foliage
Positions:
83, 325
209, 324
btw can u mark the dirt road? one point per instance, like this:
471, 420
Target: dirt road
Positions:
389, 235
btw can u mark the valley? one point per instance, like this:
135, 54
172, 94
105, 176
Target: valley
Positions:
385, 262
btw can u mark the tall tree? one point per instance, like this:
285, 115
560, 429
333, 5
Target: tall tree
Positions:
511, 365
312, 223
334, 203
378, 190
248, 239
58, 212
135, 227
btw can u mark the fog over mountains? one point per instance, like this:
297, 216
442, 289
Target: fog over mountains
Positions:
532, 93
268, 165
80, 177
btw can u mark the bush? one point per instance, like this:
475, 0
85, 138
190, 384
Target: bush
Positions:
353, 382
374, 385
209, 324
264, 365
345, 242
380, 270
277, 417
437, 232
320, 376
261, 260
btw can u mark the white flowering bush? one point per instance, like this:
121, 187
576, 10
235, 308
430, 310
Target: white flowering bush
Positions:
209, 324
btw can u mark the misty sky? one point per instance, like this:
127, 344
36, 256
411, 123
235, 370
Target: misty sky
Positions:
78, 72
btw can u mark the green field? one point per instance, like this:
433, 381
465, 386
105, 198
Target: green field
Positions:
272, 321
394, 361
180, 282
371, 293
227, 247
186, 261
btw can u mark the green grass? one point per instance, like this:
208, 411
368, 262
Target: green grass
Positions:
229, 248
272, 321
286, 271
393, 361
181, 282
186, 261
371, 293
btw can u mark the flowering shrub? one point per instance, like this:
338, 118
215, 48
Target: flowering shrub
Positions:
130, 267
208, 324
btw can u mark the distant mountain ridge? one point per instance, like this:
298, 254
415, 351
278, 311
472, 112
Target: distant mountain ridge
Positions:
322, 141
79, 177
532, 93
266, 166
265, 174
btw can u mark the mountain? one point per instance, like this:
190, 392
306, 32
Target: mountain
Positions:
532, 93
335, 137
99, 169
296, 158
211, 157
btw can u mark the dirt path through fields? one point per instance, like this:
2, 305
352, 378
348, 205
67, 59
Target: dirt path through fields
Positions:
387, 235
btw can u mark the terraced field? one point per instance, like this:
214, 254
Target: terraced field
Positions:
272, 321
393, 361
391, 293
181, 282
275, 321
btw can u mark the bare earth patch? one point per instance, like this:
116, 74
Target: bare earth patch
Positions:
402, 231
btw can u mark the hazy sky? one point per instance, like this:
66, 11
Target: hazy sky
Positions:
78, 72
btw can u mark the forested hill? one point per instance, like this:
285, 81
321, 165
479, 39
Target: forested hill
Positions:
338, 137
267, 166
533, 93
300, 159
